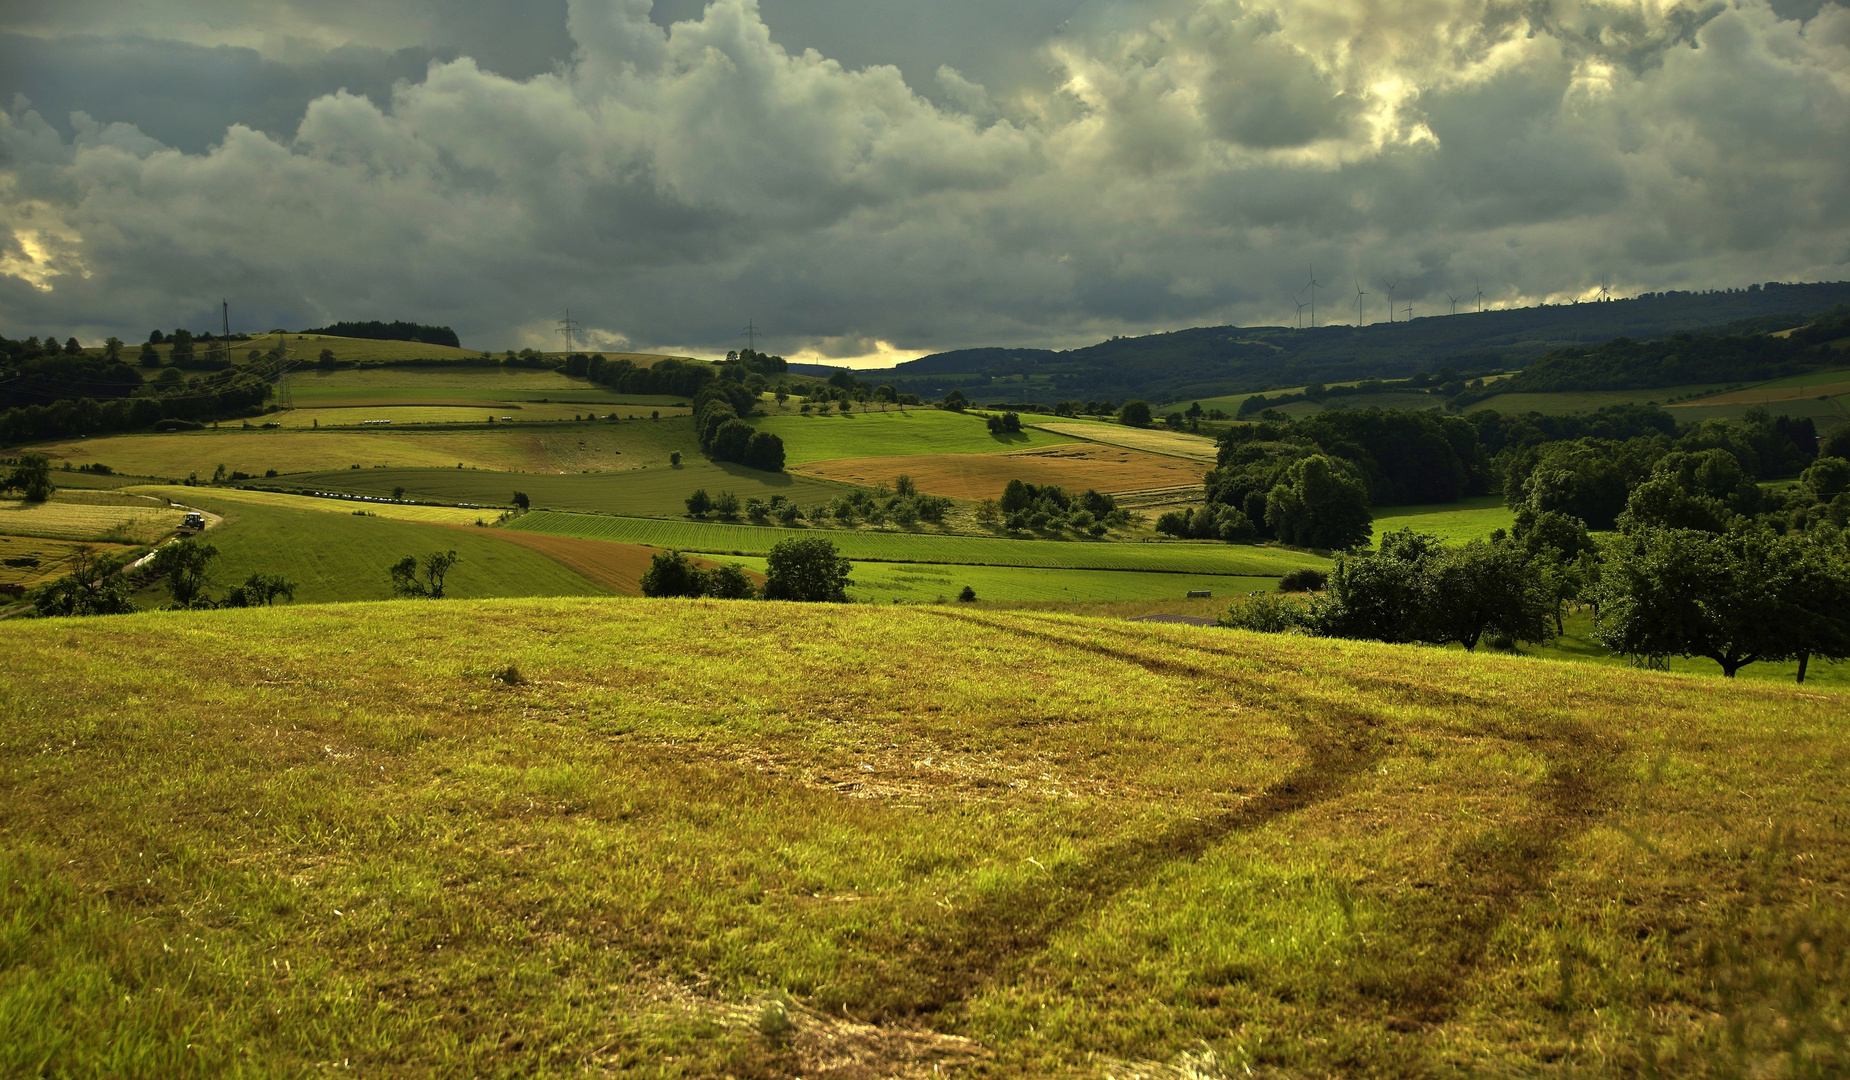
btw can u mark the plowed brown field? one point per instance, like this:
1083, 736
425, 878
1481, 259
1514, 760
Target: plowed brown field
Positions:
617, 567
1077, 466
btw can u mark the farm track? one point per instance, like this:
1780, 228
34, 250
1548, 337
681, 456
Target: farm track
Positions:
1454, 919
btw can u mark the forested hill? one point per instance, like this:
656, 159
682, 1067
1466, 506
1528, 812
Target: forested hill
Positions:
1210, 361
392, 331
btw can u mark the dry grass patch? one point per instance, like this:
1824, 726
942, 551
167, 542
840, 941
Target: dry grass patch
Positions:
1075, 466
1154, 440
617, 567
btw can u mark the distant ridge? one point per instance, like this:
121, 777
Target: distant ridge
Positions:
1219, 360
392, 331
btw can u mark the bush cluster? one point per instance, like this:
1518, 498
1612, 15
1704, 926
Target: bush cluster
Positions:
902, 504
1050, 508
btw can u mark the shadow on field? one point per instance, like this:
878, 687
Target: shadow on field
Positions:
1442, 929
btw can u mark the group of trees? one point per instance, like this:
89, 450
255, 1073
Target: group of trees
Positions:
100, 585
1051, 508
798, 568
903, 504
392, 331
1693, 571
718, 409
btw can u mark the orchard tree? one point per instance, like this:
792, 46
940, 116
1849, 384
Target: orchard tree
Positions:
1485, 587
408, 581
31, 477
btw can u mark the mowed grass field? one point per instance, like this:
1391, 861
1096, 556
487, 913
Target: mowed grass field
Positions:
1154, 440
707, 838
655, 491
1455, 523
342, 557
89, 516
26, 561
429, 515
891, 433
714, 537
1074, 466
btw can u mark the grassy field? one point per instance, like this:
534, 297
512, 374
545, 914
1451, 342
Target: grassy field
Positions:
1074, 466
724, 539
659, 491
463, 383
891, 433
1154, 440
343, 557
925, 583
434, 413
532, 447
218, 496
87, 516
1827, 414
1586, 401
315, 839
1466, 519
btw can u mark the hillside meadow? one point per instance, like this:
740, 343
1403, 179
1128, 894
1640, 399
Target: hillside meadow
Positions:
1074, 466
1153, 440
892, 432
569, 837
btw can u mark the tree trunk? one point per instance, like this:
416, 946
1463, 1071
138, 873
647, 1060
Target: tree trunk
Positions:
1804, 660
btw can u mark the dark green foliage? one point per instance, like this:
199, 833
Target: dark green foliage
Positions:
1827, 478
1705, 490
259, 590
1135, 414
407, 580
1210, 522
1052, 508
1736, 598
967, 595
1318, 503
729, 582
521, 500
186, 566
955, 401
726, 505
392, 331
1006, 424
93, 587
671, 573
699, 504
1417, 589
31, 477
670, 376
806, 568
1497, 432
1307, 579
731, 441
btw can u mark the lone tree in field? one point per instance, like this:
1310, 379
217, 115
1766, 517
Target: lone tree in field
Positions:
185, 563
807, 568
32, 477
1135, 414
521, 501
406, 580
699, 504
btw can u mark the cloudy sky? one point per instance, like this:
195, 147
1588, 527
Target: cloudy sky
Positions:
886, 178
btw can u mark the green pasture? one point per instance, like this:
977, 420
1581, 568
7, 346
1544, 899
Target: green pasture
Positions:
660, 490
1827, 413
340, 557
723, 538
460, 383
1455, 523
397, 415
613, 837
892, 433
1810, 378
926, 583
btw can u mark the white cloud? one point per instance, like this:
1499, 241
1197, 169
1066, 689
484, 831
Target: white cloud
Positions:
1183, 168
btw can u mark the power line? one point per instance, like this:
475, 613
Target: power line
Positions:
750, 333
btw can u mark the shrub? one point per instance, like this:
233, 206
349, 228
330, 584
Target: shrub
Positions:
967, 595
1304, 579
806, 569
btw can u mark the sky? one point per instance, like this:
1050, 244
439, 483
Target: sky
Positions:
870, 181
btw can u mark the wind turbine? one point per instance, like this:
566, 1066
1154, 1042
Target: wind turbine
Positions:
1390, 288
1358, 303
1409, 312
1454, 301
1605, 293
1300, 304
1313, 286
1480, 297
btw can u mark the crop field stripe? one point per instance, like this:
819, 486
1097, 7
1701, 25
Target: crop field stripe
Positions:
721, 538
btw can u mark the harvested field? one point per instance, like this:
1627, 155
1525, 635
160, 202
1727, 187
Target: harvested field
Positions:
435, 515
26, 561
89, 516
1074, 466
617, 567
1155, 440
200, 452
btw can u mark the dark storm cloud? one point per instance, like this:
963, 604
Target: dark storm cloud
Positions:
924, 175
